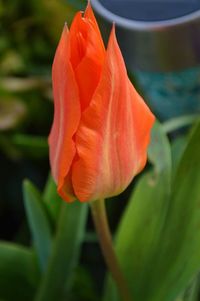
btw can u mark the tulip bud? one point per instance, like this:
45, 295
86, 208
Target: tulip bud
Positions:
101, 128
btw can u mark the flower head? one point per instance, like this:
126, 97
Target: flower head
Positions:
101, 128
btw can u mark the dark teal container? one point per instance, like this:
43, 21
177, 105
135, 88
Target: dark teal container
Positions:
160, 41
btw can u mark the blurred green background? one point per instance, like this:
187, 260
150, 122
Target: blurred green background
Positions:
29, 32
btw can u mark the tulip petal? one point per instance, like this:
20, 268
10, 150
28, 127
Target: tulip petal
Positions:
89, 15
87, 54
66, 117
113, 134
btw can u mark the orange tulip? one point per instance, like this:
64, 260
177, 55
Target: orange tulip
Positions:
101, 128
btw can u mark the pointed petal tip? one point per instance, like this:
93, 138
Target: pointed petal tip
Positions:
113, 28
65, 26
89, 12
112, 37
88, 7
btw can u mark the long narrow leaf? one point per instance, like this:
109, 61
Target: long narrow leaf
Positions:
143, 220
159, 237
38, 222
65, 254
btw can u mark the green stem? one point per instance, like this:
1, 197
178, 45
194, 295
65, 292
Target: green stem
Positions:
103, 231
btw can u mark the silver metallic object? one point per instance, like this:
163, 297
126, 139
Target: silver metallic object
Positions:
162, 51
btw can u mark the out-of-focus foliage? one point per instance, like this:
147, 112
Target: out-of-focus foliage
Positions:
29, 32
19, 273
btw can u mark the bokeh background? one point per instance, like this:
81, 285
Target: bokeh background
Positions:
29, 32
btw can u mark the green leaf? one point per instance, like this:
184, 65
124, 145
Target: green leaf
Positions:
34, 146
159, 153
178, 147
192, 293
159, 237
142, 223
83, 286
138, 236
19, 273
52, 200
138, 239
38, 222
179, 122
178, 260
65, 253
